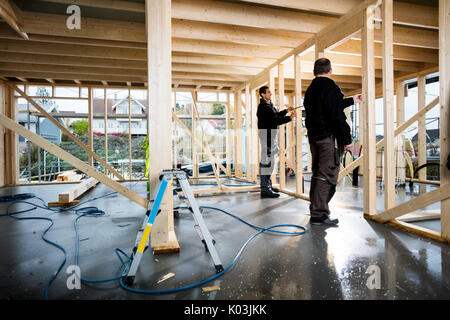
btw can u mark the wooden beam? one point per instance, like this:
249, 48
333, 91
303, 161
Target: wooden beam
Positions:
388, 105
444, 100
421, 128
90, 122
159, 48
298, 127
439, 194
248, 135
400, 95
369, 112
404, 13
238, 133
71, 195
13, 16
282, 128
77, 163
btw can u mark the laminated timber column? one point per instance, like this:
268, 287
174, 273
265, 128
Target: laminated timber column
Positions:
298, 127
90, 121
159, 116
254, 126
248, 135
273, 177
368, 86
238, 133
229, 136
11, 140
421, 128
401, 172
388, 104
444, 100
282, 129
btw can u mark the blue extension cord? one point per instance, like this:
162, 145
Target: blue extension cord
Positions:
95, 212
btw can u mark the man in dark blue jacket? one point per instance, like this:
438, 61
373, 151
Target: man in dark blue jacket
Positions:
329, 135
268, 121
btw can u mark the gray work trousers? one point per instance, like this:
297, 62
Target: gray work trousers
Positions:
268, 157
324, 178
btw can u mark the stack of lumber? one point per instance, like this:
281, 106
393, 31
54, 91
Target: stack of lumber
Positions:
69, 176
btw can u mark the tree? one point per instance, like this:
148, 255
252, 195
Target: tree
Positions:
80, 127
42, 92
218, 109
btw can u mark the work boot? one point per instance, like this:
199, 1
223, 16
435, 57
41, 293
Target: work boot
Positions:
269, 194
275, 190
324, 221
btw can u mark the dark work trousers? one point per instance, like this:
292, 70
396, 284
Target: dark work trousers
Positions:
267, 159
324, 178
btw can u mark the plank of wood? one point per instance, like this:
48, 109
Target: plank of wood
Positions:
420, 202
77, 163
420, 216
76, 192
210, 289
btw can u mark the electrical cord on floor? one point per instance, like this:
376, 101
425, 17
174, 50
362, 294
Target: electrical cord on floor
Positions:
95, 212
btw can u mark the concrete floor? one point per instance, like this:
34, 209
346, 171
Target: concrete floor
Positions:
322, 264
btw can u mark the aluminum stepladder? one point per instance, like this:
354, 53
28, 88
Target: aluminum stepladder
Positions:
143, 236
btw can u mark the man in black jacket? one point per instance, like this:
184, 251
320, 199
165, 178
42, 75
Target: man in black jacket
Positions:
329, 135
268, 121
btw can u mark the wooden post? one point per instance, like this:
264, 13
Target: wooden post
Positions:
195, 172
421, 129
290, 143
282, 129
254, 131
444, 99
361, 132
401, 173
228, 137
159, 51
105, 118
298, 126
273, 177
238, 133
129, 135
388, 103
248, 107
90, 121
368, 86
11, 150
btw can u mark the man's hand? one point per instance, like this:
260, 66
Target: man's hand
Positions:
293, 114
349, 147
290, 109
357, 98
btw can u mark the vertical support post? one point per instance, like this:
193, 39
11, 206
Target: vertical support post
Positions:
254, 144
175, 131
129, 136
248, 107
298, 126
368, 86
238, 133
228, 137
195, 172
421, 128
159, 59
388, 103
11, 140
401, 173
105, 120
290, 143
273, 177
282, 129
90, 122
444, 100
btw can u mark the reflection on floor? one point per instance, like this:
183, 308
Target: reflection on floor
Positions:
333, 263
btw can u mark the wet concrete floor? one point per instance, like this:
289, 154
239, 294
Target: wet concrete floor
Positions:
358, 260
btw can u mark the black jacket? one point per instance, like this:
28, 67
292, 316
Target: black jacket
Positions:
269, 117
324, 105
